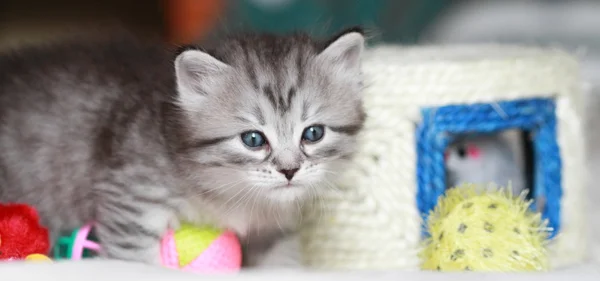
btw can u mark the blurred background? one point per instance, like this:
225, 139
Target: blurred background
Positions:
573, 25
185, 20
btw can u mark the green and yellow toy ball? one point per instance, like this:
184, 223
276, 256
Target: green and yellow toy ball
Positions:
472, 230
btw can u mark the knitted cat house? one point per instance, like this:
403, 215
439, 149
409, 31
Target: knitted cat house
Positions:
417, 99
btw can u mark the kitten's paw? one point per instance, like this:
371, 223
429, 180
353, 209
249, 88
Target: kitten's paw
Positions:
151, 255
284, 253
148, 254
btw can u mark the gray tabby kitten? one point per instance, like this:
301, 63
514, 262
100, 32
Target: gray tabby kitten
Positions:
119, 133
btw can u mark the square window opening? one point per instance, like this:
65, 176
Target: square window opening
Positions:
511, 141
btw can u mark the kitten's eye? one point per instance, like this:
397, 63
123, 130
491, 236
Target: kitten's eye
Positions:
313, 133
254, 139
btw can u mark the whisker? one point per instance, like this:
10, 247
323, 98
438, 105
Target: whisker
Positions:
321, 208
299, 210
240, 200
228, 184
332, 186
277, 217
330, 172
254, 201
231, 198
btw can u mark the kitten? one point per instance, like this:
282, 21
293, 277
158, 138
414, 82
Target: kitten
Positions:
484, 159
121, 133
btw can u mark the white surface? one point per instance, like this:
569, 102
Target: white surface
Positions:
112, 271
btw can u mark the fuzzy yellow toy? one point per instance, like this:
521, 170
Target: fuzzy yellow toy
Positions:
484, 231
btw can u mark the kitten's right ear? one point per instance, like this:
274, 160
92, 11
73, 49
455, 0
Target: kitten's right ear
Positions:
197, 73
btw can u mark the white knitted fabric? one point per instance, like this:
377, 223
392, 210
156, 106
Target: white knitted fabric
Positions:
373, 221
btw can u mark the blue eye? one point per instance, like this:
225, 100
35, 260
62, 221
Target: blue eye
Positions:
313, 133
254, 139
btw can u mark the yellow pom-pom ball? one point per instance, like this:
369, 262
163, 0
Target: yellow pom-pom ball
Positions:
484, 231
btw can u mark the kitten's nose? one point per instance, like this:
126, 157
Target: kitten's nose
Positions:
288, 173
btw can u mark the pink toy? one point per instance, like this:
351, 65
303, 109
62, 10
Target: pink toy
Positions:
222, 254
190, 248
76, 246
82, 242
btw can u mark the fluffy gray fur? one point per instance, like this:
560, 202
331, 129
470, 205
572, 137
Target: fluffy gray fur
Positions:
122, 133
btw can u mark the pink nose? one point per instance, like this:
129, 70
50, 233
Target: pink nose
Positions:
288, 173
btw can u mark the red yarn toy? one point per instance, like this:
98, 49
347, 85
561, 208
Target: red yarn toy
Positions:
21, 235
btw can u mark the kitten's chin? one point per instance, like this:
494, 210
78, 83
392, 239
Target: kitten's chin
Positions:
287, 194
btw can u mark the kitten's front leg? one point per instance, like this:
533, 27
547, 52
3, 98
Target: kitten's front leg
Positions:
282, 251
130, 226
285, 252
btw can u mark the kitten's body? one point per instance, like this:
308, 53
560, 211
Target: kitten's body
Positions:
119, 133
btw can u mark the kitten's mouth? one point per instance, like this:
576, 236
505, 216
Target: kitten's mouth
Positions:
287, 185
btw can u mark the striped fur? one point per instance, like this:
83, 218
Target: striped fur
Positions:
123, 133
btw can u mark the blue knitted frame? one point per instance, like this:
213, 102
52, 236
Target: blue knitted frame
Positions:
439, 124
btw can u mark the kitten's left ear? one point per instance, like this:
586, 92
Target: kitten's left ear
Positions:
345, 50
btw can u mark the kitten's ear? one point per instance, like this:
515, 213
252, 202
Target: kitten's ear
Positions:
197, 73
345, 50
